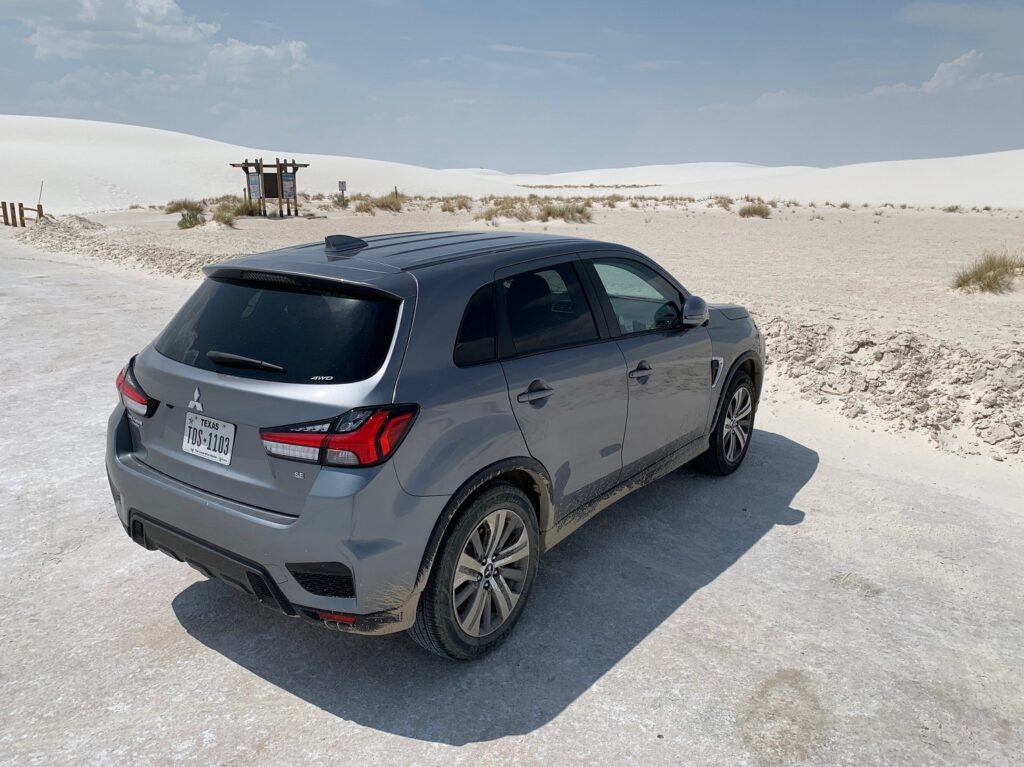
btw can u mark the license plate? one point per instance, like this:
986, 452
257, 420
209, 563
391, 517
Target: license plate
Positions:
208, 438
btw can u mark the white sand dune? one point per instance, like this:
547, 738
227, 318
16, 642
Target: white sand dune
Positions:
91, 166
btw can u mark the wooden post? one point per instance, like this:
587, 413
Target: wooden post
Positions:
263, 193
295, 185
21, 213
280, 207
7, 221
39, 212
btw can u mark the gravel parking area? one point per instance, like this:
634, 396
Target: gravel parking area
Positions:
847, 597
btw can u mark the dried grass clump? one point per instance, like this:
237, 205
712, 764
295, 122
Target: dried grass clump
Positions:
392, 202
190, 218
455, 204
338, 200
184, 205
570, 212
506, 207
223, 214
755, 210
952, 209
723, 202
994, 272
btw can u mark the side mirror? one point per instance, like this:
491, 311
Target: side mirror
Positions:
695, 312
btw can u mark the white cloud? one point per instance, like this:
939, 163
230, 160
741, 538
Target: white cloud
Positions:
953, 73
73, 30
547, 54
236, 62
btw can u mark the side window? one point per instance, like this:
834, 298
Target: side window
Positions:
547, 309
641, 298
475, 343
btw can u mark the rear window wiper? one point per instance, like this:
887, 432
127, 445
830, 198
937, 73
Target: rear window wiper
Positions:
238, 361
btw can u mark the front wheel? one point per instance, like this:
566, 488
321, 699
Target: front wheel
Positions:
730, 437
481, 577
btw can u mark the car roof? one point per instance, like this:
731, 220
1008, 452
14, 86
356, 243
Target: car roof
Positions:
408, 251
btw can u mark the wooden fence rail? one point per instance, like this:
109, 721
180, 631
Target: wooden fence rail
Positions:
14, 214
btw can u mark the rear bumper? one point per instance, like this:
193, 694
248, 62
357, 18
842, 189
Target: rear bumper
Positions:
251, 577
379, 534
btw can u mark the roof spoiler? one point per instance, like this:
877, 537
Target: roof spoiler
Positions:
285, 279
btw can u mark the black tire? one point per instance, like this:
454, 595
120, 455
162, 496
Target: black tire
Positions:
717, 460
437, 627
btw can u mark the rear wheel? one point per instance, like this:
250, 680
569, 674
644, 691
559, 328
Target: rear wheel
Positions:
730, 437
481, 577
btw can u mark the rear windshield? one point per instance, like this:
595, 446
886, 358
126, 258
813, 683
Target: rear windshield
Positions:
316, 336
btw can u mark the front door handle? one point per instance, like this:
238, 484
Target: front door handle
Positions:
538, 390
643, 370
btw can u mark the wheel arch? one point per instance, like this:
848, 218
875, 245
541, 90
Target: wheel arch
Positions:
749, 363
527, 474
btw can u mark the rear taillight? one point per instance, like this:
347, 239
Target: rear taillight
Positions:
132, 396
362, 437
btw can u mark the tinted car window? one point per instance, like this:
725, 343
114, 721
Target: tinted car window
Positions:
547, 309
316, 336
475, 343
641, 298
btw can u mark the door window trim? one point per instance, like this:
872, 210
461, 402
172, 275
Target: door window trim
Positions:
506, 349
610, 318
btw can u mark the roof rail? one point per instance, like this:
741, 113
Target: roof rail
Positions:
342, 243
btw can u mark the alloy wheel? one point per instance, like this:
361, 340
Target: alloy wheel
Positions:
739, 419
491, 573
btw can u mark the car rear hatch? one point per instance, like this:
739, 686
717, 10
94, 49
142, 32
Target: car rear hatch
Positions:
325, 348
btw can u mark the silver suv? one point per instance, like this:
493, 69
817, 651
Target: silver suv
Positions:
386, 434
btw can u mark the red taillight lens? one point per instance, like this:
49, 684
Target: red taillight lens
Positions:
360, 437
132, 396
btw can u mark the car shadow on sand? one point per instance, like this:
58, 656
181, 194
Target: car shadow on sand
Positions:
597, 596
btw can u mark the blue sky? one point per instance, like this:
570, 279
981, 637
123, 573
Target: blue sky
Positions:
534, 86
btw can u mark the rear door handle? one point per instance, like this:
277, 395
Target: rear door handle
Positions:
538, 390
643, 370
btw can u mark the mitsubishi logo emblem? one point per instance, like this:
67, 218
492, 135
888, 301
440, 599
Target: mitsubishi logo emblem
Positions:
194, 403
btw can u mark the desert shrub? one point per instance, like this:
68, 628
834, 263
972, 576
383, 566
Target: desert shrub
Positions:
191, 218
506, 207
390, 202
246, 208
723, 202
136, 206
366, 206
994, 272
338, 200
224, 214
952, 209
570, 212
184, 205
844, 205
987, 208
455, 204
612, 200
755, 210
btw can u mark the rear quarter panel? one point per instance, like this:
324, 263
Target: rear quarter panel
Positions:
466, 421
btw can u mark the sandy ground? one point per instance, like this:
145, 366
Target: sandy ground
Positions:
855, 302
847, 597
